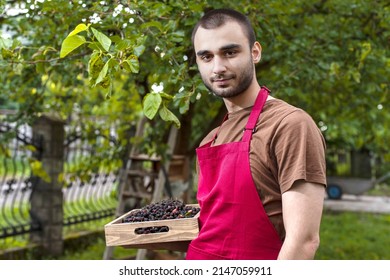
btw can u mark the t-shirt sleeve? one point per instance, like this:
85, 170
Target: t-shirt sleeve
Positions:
299, 150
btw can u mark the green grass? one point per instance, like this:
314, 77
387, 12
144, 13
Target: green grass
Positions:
354, 236
89, 250
96, 251
380, 190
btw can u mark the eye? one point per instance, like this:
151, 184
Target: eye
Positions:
206, 57
230, 53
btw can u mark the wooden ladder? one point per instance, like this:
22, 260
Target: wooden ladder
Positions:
142, 184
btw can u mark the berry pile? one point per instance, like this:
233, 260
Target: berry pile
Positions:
146, 230
163, 210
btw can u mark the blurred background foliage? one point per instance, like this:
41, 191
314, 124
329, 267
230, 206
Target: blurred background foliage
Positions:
329, 57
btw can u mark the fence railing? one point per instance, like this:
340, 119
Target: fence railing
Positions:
89, 201
16, 181
81, 200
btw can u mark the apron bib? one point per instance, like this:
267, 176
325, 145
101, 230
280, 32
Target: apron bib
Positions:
233, 223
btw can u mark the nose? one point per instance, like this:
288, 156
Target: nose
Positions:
219, 65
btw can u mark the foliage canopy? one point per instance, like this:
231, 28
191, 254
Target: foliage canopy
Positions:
117, 60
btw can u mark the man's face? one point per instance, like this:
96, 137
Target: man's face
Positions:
224, 59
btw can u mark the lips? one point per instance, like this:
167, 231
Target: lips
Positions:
221, 80
221, 83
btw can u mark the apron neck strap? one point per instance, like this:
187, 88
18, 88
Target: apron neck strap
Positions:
250, 126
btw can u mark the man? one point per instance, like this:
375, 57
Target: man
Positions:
262, 172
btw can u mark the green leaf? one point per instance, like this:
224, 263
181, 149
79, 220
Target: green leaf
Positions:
95, 46
132, 64
166, 96
366, 49
182, 101
79, 28
5, 151
71, 43
37, 170
356, 76
40, 66
95, 57
31, 148
334, 68
106, 84
139, 50
123, 44
156, 24
177, 36
7, 54
168, 116
184, 106
102, 38
151, 104
102, 73
113, 64
5, 43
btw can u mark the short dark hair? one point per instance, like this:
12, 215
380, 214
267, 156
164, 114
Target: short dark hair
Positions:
218, 17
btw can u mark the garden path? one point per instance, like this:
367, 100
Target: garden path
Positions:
359, 203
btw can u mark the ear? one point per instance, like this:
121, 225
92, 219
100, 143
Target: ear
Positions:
256, 52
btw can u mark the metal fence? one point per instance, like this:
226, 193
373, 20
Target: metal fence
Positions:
83, 200
15, 180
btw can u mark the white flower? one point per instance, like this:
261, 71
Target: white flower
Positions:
157, 88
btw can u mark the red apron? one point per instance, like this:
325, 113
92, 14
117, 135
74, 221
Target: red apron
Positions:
233, 223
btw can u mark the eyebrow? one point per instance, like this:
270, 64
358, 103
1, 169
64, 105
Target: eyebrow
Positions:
223, 48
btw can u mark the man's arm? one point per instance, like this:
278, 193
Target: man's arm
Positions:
302, 211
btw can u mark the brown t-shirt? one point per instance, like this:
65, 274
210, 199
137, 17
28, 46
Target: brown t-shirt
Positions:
287, 146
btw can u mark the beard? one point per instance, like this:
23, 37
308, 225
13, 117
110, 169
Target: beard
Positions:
242, 82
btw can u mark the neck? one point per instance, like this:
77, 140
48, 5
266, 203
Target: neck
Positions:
244, 100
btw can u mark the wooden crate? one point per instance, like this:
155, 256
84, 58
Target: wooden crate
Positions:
181, 232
